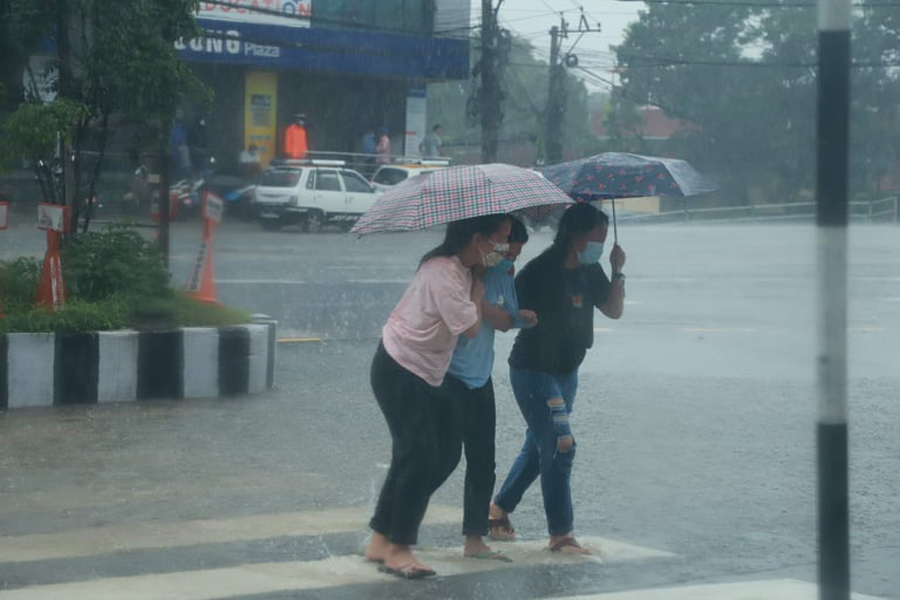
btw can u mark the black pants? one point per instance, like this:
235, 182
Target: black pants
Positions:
479, 418
426, 432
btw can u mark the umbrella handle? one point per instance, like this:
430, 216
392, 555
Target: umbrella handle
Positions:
615, 231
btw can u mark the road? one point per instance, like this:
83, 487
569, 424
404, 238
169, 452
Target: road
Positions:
695, 423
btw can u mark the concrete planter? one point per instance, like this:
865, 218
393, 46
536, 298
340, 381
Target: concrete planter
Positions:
46, 369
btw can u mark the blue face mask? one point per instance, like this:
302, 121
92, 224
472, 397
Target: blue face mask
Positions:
591, 253
504, 265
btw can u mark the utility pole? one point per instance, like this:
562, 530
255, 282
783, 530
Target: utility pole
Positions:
832, 185
555, 98
490, 97
556, 89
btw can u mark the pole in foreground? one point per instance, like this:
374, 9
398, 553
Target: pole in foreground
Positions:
833, 110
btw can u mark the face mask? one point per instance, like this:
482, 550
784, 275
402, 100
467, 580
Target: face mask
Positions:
504, 265
493, 258
591, 253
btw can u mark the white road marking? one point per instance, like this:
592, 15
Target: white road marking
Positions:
113, 538
773, 589
262, 578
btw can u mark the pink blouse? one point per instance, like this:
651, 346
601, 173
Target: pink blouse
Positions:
422, 330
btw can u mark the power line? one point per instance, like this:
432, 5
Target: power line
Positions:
761, 4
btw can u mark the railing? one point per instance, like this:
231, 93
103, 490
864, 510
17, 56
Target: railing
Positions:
882, 210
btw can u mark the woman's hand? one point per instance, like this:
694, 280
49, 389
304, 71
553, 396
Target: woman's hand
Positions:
617, 258
528, 317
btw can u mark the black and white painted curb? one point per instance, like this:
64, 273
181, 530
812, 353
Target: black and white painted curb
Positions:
46, 369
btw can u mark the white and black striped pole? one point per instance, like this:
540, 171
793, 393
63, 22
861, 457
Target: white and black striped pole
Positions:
832, 168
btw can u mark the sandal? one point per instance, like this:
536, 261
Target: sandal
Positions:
490, 555
569, 542
501, 530
407, 571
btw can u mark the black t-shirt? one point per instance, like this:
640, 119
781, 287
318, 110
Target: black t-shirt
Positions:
564, 300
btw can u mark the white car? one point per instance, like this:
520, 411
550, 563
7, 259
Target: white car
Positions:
311, 194
387, 176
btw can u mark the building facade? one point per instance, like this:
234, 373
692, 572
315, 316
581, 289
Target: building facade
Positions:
351, 66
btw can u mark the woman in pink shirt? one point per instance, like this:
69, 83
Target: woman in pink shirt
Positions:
442, 302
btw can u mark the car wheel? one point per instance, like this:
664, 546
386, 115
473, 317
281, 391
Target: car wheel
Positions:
314, 221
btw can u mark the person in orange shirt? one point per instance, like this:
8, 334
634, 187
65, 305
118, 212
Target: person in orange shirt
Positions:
295, 144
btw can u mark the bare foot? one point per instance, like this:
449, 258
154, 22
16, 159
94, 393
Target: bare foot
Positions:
495, 512
400, 558
378, 547
475, 546
566, 544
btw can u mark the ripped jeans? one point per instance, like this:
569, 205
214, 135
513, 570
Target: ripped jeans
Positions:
546, 402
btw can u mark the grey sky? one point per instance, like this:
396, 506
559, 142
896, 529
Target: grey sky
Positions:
532, 19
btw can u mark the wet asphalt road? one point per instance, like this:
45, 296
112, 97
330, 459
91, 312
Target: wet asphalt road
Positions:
694, 418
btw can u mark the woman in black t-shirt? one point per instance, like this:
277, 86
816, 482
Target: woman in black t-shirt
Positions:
563, 286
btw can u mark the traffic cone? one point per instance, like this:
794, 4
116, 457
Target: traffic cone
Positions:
202, 286
51, 290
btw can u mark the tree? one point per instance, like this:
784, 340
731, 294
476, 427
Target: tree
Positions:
745, 76
114, 62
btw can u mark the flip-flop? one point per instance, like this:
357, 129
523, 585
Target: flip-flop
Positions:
569, 542
407, 571
490, 555
501, 530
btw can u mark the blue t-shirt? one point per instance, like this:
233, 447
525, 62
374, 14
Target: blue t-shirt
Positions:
473, 358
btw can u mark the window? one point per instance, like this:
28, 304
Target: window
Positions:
276, 178
327, 181
311, 180
353, 182
389, 176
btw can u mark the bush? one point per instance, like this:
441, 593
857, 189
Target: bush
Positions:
18, 283
114, 280
76, 316
116, 262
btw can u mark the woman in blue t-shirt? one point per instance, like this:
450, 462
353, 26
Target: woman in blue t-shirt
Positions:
562, 286
469, 383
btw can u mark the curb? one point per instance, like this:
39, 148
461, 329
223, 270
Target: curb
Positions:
47, 369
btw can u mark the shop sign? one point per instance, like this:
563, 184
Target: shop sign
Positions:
258, 12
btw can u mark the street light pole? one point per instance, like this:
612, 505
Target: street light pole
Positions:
832, 166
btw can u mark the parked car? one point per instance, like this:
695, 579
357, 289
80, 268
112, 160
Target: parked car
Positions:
311, 194
387, 176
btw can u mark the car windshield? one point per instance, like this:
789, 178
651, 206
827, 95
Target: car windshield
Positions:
280, 178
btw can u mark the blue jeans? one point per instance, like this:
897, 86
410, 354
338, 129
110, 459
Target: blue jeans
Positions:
546, 402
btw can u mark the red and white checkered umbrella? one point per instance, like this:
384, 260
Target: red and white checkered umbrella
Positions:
458, 193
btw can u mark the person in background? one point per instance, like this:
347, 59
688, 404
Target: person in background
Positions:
431, 145
369, 148
250, 161
469, 382
443, 302
296, 145
383, 149
563, 285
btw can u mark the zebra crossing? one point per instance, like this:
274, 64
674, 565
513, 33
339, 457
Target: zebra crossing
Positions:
185, 561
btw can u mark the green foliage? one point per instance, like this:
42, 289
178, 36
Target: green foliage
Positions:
76, 316
18, 283
114, 280
745, 77
32, 131
112, 58
117, 262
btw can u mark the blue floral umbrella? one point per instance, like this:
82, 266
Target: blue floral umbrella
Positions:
612, 175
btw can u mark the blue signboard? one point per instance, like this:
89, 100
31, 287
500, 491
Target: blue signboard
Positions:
377, 54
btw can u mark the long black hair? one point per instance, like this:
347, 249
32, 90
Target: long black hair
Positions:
518, 234
459, 234
578, 220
